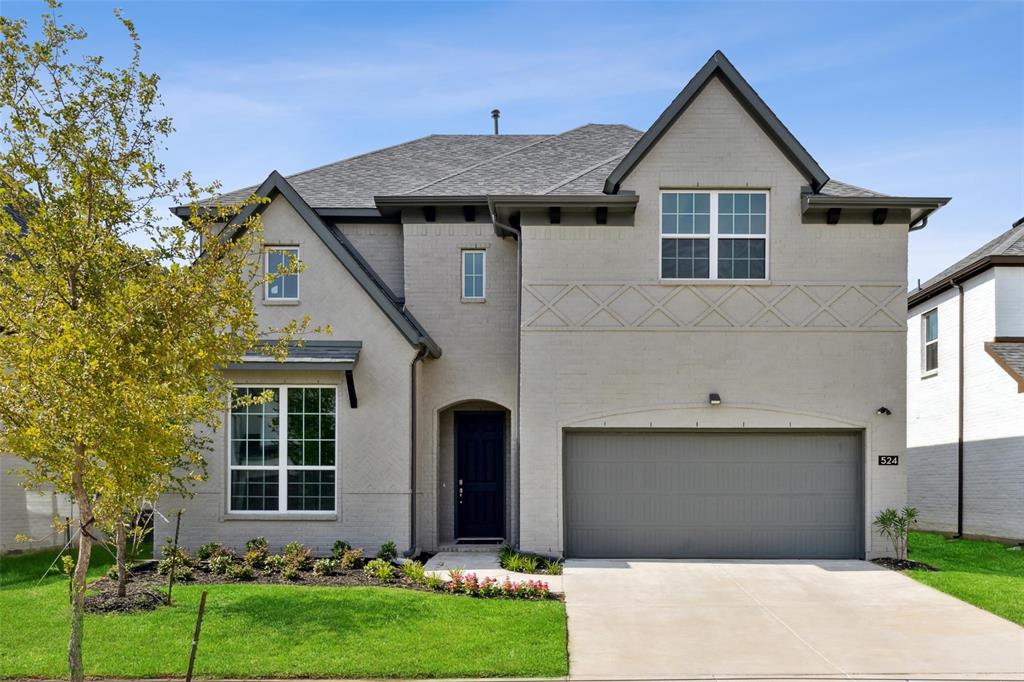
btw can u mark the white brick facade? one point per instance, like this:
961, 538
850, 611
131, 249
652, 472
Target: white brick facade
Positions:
993, 411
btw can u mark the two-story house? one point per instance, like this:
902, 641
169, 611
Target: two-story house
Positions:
965, 378
683, 342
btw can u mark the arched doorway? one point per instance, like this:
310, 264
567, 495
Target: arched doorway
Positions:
474, 466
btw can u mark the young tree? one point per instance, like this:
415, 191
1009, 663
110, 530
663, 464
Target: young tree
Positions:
115, 322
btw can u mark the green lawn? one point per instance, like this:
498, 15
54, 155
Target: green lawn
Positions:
985, 574
281, 631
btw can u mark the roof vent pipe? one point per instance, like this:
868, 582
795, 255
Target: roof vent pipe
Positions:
495, 114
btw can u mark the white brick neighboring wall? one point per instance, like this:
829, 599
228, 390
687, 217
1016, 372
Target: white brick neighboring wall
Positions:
28, 512
639, 377
993, 412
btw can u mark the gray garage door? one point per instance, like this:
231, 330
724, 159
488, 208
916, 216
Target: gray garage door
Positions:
713, 494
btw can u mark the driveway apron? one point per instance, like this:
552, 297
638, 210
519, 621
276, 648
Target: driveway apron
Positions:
632, 619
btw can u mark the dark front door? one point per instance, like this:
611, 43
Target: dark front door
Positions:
479, 474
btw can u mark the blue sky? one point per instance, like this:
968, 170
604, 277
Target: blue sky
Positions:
906, 98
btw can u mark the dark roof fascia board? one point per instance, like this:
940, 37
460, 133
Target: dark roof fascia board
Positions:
348, 212
430, 200
720, 66
276, 365
275, 185
873, 202
564, 200
916, 298
920, 207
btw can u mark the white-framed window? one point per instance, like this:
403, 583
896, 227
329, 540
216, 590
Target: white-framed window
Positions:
282, 287
474, 264
283, 453
930, 341
720, 234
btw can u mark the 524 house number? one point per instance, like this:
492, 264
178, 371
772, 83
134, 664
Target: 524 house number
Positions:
888, 460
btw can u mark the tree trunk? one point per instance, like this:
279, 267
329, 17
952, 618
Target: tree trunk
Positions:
121, 539
75, 669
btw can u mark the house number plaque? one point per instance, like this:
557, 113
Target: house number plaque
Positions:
888, 460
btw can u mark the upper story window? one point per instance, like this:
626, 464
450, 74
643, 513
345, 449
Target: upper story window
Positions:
284, 459
473, 275
714, 235
282, 287
930, 341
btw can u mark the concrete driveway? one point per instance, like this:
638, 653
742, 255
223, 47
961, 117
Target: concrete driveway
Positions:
776, 620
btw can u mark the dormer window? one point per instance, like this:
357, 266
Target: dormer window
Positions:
282, 287
714, 235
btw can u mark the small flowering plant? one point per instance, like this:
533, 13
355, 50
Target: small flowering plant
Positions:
468, 583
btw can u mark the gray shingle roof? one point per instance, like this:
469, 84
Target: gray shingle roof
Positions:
321, 354
1009, 243
541, 167
353, 182
577, 161
1009, 356
835, 188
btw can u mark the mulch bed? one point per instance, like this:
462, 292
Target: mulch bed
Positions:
146, 590
903, 564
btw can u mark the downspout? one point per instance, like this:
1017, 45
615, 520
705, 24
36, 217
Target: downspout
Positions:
420, 354
960, 421
518, 236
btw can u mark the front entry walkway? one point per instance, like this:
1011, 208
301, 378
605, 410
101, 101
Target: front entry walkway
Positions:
776, 620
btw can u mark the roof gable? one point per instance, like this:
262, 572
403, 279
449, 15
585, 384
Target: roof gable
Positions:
276, 186
720, 67
1005, 249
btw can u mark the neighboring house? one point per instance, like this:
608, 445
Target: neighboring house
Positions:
965, 372
671, 343
28, 513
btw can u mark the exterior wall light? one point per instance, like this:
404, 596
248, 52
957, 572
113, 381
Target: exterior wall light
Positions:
714, 399
883, 410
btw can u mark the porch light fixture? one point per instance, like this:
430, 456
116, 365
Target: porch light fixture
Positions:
884, 411
714, 399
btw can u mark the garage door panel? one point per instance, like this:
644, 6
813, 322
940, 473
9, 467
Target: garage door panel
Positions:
713, 495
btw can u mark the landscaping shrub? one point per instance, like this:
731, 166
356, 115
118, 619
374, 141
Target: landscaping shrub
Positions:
205, 552
379, 569
434, 581
290, 572
129, 566
298, 555
182, 572
895, 526
413, 570
275, 563
517, 562
220, 564
256, 557
179, 558
168, 551
388, 552
257, 543
350, 558
324, 566
339, 549
468, 583
240, 572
